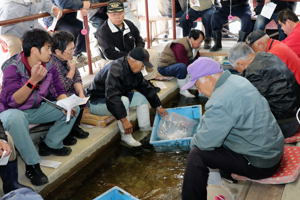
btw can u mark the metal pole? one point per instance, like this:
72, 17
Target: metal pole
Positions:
174, 19
87, 43
147, 25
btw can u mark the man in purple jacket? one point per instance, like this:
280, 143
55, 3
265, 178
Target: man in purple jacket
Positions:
26, 79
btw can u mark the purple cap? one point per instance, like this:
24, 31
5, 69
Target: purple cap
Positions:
203, 66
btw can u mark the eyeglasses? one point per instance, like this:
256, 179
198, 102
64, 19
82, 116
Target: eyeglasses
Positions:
69, 50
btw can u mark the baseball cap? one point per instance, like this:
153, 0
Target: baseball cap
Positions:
255, 35
115, 6
201, 67
141, 54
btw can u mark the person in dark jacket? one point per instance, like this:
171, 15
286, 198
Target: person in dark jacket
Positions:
111, 93
9, 172
273, 80
69, 22
262, 21
239, 8
117, 36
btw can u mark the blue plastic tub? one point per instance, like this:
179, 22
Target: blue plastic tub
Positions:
116, 193
183, 144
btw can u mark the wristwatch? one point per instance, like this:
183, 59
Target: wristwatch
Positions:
30, 85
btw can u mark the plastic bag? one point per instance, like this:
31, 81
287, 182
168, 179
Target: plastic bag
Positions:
22, 194
175, 126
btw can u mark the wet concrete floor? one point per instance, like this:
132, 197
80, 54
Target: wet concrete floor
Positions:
144, 173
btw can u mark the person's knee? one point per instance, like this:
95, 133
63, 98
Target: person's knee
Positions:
11, 117
140, 99
182, 71
195, 158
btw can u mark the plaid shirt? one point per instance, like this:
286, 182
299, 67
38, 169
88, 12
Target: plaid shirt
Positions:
63, 70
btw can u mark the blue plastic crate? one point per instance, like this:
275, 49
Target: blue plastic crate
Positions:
183, 144
116, 193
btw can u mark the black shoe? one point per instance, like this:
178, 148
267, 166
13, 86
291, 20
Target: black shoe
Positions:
70, 140
35, 174
207, 43
44, 150
9, 176
79, 132
217, 35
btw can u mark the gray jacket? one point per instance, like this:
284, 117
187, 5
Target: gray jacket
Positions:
237, 117
21, 9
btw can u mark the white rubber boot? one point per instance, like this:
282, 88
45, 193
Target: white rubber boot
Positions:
143, 117
127, 138
186, 93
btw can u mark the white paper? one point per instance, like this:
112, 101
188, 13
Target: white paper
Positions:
4, 159
70, 102
268, 10
54, 22
50, 163
160, 84
144, 72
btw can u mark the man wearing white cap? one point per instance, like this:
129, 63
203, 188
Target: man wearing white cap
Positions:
237, 134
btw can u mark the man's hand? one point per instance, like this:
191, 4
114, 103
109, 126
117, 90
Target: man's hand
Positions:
4, 146
161, 111
57, 12
128, 128
267, 1
84, 10
72, 69
38, 72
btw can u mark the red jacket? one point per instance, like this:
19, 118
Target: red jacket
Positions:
287, 55
293, 40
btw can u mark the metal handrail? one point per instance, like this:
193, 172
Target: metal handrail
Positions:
45, 14
93, 6
65, 11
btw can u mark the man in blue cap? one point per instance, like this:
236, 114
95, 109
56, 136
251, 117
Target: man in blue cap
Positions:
237, 134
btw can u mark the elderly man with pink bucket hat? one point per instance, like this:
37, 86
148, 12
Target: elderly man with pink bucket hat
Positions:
237, 134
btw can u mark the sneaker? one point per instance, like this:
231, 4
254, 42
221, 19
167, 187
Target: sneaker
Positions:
35, 175
129, 140
79, 132
44, 150
69, 140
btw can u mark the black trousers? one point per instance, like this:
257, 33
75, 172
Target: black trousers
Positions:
70, 23
220, 17
196, 173
289, 126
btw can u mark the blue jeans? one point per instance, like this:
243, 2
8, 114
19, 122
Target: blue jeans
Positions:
16, 123
178, 70
101, 108
220, 17
262, 21
193, 15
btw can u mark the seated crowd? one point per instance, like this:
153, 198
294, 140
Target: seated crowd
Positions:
247, 115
